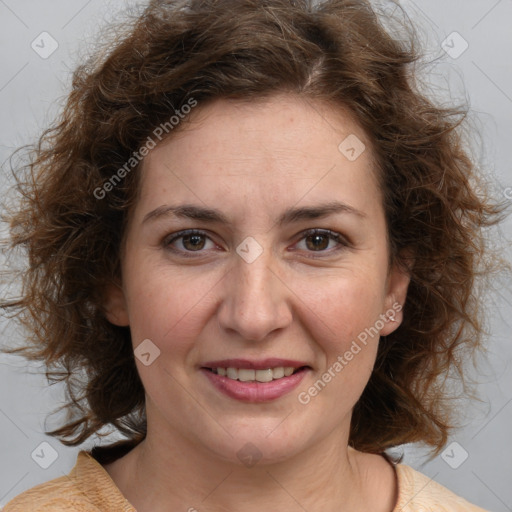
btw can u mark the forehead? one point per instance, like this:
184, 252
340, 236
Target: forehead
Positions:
281, 148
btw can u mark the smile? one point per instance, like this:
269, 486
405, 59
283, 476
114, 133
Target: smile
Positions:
251, 375
255, 381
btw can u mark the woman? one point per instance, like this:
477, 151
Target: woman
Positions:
261, 244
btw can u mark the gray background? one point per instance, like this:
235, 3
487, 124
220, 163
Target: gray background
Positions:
31, 92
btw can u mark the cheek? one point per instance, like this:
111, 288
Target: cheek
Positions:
343, 308
342, 320
168, 306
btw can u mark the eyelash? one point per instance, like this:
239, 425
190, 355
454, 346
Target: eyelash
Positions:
337, 237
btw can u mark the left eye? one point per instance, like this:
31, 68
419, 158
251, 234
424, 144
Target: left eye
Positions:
319, 239
316, 240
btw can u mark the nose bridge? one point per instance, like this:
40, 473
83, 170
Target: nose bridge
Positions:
255, 277
254, 303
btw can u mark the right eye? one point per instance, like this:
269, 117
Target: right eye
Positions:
191, 240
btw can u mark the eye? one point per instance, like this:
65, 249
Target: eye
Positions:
318, 240
192, 240
315, 240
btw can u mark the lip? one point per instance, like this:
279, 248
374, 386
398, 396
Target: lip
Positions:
261, 364
255, 392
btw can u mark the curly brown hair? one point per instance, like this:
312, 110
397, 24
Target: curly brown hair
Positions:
338, 52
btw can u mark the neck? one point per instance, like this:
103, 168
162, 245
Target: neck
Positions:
171, 472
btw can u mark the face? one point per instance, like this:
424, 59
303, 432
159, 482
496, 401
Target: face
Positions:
286, 266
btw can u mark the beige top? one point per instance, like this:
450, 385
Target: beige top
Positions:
89, 488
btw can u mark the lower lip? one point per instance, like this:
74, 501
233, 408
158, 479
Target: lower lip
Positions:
255, 391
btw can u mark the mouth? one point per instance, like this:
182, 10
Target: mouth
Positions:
255, 381
256, 375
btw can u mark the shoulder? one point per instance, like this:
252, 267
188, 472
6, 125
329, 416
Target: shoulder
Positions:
56, 495
87, 488
419, 493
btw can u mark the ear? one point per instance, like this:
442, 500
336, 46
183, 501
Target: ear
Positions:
396, 294
114, 305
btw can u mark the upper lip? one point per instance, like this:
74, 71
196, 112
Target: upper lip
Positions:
261, 364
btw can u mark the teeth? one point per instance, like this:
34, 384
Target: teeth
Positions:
288, 371
264, 375
277, 373
247, 375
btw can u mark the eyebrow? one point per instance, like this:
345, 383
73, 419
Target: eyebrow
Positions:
211, 215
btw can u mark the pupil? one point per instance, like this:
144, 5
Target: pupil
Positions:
316, 239
196, 241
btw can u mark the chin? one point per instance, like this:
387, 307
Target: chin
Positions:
259, 444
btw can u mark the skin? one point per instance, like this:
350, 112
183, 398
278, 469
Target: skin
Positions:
253, 161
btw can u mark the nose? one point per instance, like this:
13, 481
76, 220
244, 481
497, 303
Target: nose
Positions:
255, 299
